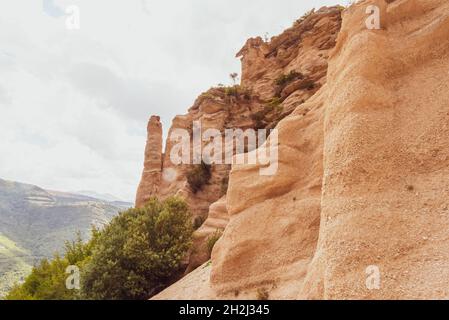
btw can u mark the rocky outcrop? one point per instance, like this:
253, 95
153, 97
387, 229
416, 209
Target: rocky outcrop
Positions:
152, 171
219, 108
362, 182
303, 48
277, 77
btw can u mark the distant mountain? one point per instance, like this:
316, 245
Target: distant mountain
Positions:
102, 196
34, 223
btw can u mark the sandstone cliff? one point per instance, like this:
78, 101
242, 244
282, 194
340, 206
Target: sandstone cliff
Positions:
363, 165
277, 77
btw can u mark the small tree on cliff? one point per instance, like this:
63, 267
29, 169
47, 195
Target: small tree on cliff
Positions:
234, 76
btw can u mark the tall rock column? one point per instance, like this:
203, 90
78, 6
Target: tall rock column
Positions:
151, 176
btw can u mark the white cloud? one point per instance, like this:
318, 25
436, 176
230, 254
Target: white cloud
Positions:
74, 104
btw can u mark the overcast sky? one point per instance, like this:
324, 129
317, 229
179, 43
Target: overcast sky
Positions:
74, 103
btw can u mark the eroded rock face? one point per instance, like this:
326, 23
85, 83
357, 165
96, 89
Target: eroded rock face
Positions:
212, 228
386, 157
216, 109
362, 183
261, 101
303, 48
151, 175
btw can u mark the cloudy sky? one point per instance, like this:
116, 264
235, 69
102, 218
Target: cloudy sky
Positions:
74, 103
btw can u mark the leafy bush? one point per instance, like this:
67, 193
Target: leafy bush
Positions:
47, 280
232, 91
273, 105
237, 91
212, 239
260, 117
285, 79
135, 256
199, 176
140, 252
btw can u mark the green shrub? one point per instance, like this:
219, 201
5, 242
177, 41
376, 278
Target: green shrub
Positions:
275, 104
259, 118
140, 252
47, 280
232, 91
285, 79
199, 176
212, 239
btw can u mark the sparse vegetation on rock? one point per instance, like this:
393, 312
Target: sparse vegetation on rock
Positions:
212, 239
47, 280
140, 252
284, 79
199, 176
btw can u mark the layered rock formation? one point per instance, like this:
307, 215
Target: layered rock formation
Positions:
277, 77
303, 48
152, 171
362, 184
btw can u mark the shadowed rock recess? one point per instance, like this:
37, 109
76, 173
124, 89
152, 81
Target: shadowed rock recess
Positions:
363, 168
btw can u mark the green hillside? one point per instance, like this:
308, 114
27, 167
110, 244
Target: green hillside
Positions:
34, 223
14, 264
